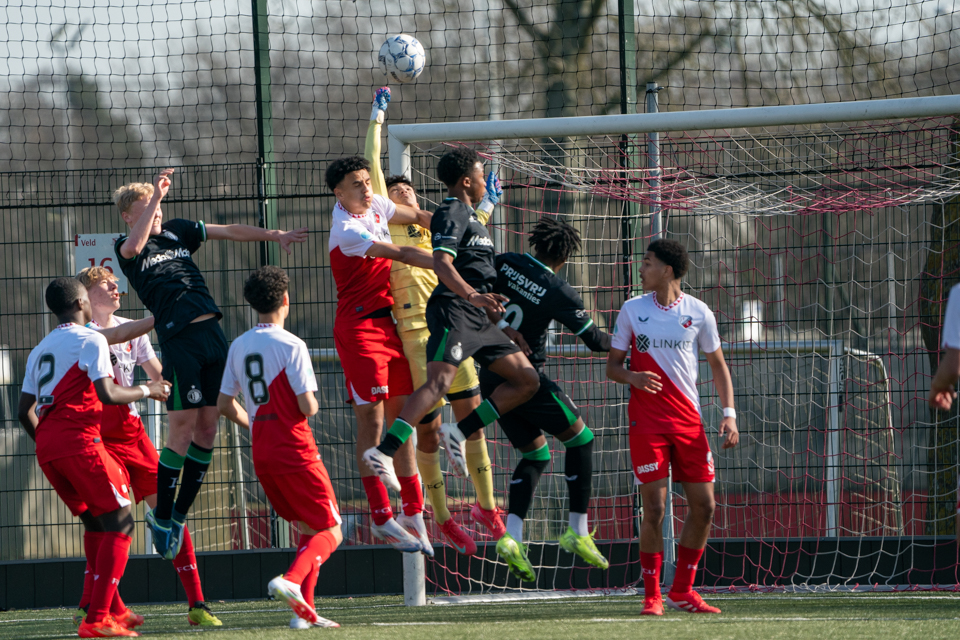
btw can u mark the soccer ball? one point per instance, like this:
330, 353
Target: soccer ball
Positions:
402, 58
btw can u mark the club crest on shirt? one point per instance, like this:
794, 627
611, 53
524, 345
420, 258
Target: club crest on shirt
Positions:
456, 352
686, 322
643, 343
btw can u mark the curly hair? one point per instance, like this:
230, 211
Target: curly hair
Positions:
265, 287
130, 193
62, 293
340, 167
455, 164
555, 239
398, 179
92, 276
672, 253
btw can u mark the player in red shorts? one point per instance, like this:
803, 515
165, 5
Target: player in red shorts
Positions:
124, 436
377, 372
272, 368
66, 384
662, 331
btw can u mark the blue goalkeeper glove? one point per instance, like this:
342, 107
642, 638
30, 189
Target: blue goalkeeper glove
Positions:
380, 101
494, 192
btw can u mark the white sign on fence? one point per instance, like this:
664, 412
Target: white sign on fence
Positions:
96, 250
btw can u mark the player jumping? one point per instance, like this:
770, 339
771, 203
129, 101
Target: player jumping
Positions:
662, 331
463, 259
156, 258
124, 436
272, 368
537, 296
66, 384
371, 354
411, 288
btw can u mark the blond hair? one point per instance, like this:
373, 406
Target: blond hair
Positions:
92, 276
130, 193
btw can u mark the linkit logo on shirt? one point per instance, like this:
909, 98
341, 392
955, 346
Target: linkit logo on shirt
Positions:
644, 343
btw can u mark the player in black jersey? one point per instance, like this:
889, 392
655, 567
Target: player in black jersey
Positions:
463, 258
537, 296
156, 258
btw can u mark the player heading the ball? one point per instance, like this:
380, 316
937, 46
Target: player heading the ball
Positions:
662, 332
157, 259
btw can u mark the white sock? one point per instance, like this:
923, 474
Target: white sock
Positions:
578, 522
515, 527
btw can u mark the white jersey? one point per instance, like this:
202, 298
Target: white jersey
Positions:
271, 366
666, 341
950, 335
127, 356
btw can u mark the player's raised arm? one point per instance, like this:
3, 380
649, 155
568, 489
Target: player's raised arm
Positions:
371, 148
411, 215
249, 233
448, 275
142, 216
128, 330
414, 256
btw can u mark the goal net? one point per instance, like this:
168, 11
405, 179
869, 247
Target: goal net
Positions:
825, 239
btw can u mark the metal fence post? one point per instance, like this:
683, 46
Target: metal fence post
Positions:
266, 172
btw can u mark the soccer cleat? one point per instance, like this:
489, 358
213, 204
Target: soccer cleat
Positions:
129, 619
416, 527
652, 606
176, 539
201, 616
691, 602
584, 547
458, 538
382, 464
106, 628
490, 519
323, 623
289, 592
160, 535
297, 622
514, 554
453, 441
79, 616
396, 536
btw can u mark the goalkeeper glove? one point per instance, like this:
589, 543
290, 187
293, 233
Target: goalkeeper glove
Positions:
380, 101
494, 191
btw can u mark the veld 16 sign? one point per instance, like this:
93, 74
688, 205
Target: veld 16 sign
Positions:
96, 250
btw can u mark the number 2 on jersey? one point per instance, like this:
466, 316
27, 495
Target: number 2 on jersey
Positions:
256, 385
48, 359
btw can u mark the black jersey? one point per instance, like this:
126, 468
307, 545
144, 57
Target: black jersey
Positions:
539, 296
167, 279
456, 230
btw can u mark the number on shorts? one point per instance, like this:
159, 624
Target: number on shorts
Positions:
253, 365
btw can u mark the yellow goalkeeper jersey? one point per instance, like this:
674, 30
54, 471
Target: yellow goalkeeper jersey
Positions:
411, 286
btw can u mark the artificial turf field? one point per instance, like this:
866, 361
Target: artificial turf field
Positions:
917, 616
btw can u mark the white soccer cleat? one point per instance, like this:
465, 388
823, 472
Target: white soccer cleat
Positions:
323, 623
396, 536
453, 442
299, 623
382, 464
289, 592
415, 525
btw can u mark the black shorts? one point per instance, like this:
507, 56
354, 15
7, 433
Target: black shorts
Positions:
459, 330
193, 361
549, 410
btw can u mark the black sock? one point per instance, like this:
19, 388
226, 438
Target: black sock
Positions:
480, 417
168, 474
578, 468
194, 470
524, 485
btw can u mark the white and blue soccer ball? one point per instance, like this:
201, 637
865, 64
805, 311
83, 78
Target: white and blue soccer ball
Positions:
402, 58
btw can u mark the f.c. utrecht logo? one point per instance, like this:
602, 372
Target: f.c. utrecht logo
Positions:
686, 322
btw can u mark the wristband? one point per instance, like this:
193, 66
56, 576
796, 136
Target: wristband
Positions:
729, 412
470, 294
145, 390
503, 324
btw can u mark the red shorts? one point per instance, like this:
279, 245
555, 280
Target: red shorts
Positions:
303, 495
140, 459
373, 362
686, 456
89, 481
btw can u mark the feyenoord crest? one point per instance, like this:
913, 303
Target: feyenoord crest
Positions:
194, 396
686, 321
456, 351
643, 343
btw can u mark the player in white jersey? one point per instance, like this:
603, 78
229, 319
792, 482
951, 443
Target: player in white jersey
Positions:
272, 368
662, 332
124, 436
943, 386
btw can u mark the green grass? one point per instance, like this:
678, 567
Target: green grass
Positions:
745, 617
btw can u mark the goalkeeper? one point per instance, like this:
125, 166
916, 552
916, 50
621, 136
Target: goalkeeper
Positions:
411, 288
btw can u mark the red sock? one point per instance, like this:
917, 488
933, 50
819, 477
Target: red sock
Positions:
186, 565
378, 499
309, 585
111, 561
91, 544
117, 606
687, 560
411, 495
314, 551
650, 563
